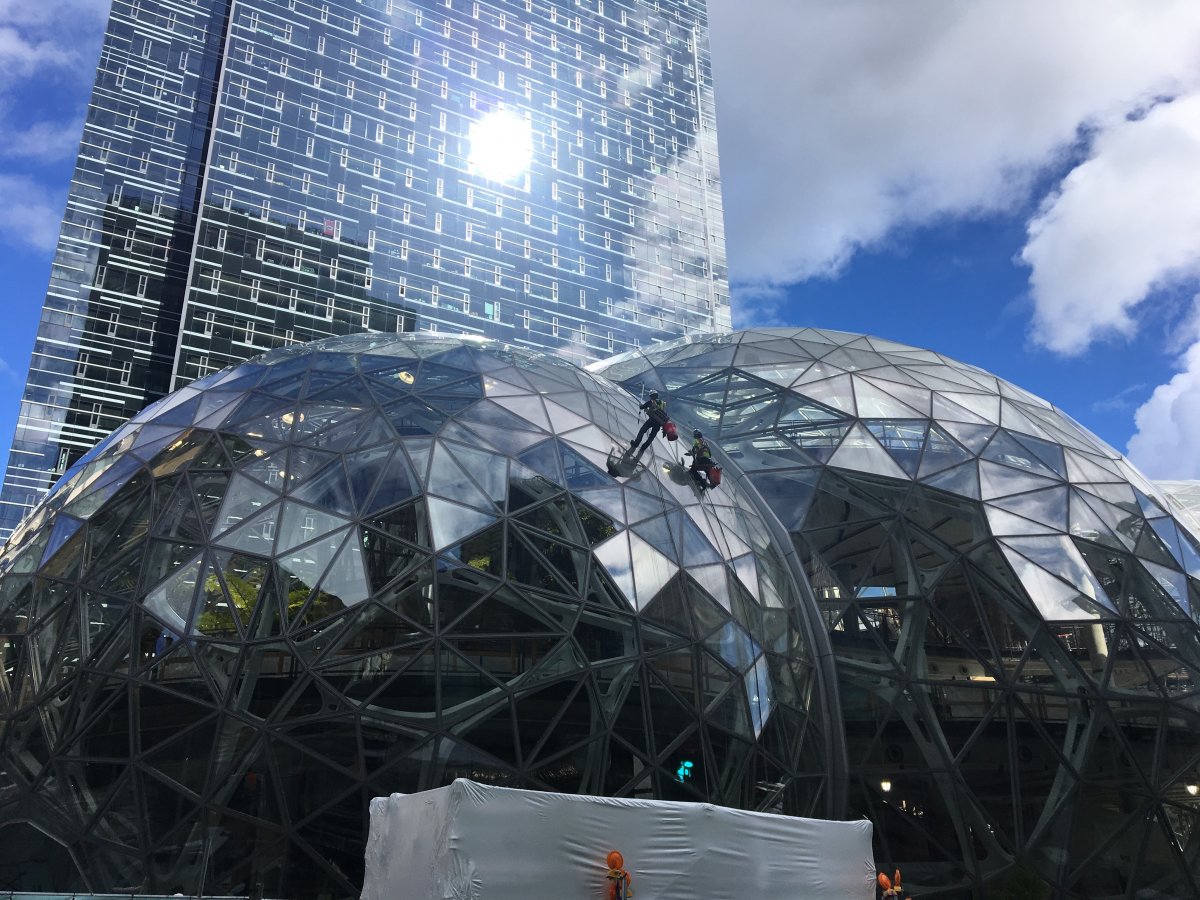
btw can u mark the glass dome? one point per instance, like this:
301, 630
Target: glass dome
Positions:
1010, 604
376, 564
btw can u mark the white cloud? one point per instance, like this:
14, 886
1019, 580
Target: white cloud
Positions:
48, 36
843, 119
42, 142
31, 213
48, 51
54, 14
21, 54
1168, 425
1122, 223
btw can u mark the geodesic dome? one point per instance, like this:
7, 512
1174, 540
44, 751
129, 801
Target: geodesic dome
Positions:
371, 565
1010, 605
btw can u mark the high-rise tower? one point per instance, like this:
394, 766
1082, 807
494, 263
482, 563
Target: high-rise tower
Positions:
258, 172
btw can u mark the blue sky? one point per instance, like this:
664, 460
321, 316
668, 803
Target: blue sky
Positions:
1014, 183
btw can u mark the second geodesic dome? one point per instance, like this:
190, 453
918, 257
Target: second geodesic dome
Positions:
1009, 602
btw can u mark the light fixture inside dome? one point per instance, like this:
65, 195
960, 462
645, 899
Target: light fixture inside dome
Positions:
501, 146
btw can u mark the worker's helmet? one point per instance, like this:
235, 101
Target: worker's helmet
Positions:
697, 433
654, 395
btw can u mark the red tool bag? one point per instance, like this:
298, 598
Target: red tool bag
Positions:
714, 475
671, 431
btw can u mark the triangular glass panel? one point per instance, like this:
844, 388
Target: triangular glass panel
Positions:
529, 407
171, 602
489, 470
397, 484
1015, 418
860, 452
243, 499
178, 409
1048, 453
64, 528
349, 392
941, 452
268, 468
997, 480
216, 616
1048, 506
875, 403
364, 469
503, 612
610, 500
464, 389
491, 414
544, 459
346, 578
658, 533
528, 488
376, 433
903, 440
386, 558
1085, 523
304, 461
323, 379
595, 525
903, 388
328, 490
308, 563
447, 479
985, 406
451, 522
243, 578
651, 570
948, 413
836, 392
482, 551
543, 563
1076, 597
1173, 582
734, 645
787, 493
817, 441
254, 535
669, 609
1087, 467
300, 524
1150, 546
746, 569
503, 440
578, 471
1001, 522
1006, 450
412, 418
639, 505
349, 433
614, 556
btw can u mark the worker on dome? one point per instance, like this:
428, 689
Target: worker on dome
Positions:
702, 461
656, 418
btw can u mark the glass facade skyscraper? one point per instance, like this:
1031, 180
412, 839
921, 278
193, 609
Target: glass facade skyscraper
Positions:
260, 172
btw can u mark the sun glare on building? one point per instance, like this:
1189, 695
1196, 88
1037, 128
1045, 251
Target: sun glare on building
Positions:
501, 146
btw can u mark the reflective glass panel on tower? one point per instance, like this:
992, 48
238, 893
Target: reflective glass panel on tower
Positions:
543, 172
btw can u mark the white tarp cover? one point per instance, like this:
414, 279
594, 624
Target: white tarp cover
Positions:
468, 841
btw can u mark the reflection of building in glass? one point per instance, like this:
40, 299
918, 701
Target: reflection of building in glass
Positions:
375, 564
539, 171
1010, 604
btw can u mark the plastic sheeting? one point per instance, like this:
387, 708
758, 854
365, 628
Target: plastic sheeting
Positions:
473, 842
